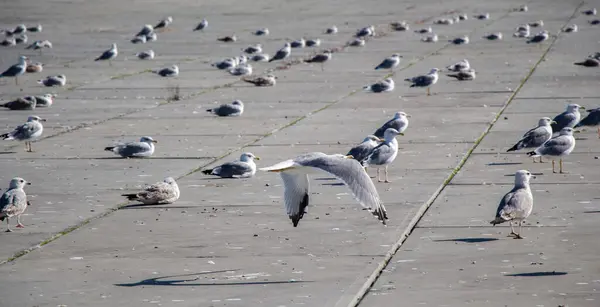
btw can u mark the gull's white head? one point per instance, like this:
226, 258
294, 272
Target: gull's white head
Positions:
22, 59
545, 121
372, 138
573, 107
396, 55
175, 68
238, 103
34, 118
390, 134
170, 181
113, 46
248, 156
147, 139
169, 19
566, 131
434, 71
522, 177
400, 115
17, 183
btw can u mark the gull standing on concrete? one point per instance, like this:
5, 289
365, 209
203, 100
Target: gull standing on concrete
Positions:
535, 137
390, 63
538, 38
24, 103
236, 108
295, 172
164, 192
282, 53
590, 12
145, 31
8, 42
16, 70
39, 45
568, 118
493, 36
269, 80
52, 81
591, 120
362, 150
45, 100
202, 25
27, 132
460, 65
399, 122
164, 23
142, 149
14, 202
172, 71
425, 80
145, 55
320, 58
242, 168
384, 154
559, 146
516, 205
464, 75
109, 54
386, 85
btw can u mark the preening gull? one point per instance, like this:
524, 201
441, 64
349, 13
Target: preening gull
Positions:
493, 36
241, 70
366, 31
385, 85
460, 65
236, 108
535, 137
383, 154
16, 70
589, 62
228, 39
301, 43
51, 81
295, 172
21, 103
399, 122
425, 80
559, 146
464, 75
282, 53
268, 80
252, 49
142, 149
164, 23
109, 54
145, 55
261, 32
357, 42
516, 205
202, 25
14, 202
400, 26
331, 30
164, 192
242, 168
568, 118
591, 120
538, 38
45, 100
362, 150
390, 62
320, 58
172, 71
27, 132
313, 42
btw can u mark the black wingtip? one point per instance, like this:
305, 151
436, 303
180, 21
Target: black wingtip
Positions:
207, 171
209, 110
4, 136
130, 196
512, 148
531, 153
109, 148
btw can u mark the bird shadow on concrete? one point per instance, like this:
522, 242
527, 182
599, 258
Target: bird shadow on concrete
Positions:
537, 274
7, 152
503, 163
155, 206
468, 240
592, 211
178, 280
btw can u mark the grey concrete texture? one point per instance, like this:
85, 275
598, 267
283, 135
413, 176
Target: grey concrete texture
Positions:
229, 242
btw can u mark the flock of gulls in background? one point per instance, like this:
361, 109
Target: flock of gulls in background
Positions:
551, 138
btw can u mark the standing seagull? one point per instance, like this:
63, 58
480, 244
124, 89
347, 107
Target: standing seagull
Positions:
109, 54
242, 168
202, 25
320, 58
142, 149
165, 192
559, 146
14, 202
27, 132
384, 154
236, 108
294, 173
362, 150
425, 80
282, 53
16, 70
386, 85
568, 118
172, 71
51, 81
591, 120
399, 122
390, 63
164, 23
535, 137
516, 205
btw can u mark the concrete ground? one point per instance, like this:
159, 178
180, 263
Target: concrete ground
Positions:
229, 242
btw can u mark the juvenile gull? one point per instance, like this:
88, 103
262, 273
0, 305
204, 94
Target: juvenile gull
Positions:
109, 54
261, 32
493, 36
571, 29
164, 192
241, 70
16, 70
559, 146
362, 150
313, 42
27, 132
282, 53
320, 58
535, 137
52, 81
425, 80
260, 57
516, 205
45, 100
357, 42
464, 75
424, 30
390, 62
34, 67
460, 65
430, 38
589, 62
301, 43
164, 23
536, 24
172, 71
253, 49
242, 168
331, 30
228, 39
145, 55
202, 25
14, 202
236, 108
591, 120
383, 154
386, 85
142, 149
269, 80
568, 118
399, 122
24, 103
366, 31
400, 26
538, 38
295, 172
463, 40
